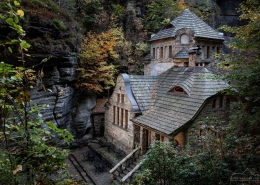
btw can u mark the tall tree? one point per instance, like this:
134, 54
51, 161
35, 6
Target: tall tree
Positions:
243, 65
97, 69
27, 155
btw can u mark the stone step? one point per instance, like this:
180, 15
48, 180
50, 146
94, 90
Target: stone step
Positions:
116, 182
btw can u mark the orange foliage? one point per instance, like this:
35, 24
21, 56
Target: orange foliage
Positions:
97, 71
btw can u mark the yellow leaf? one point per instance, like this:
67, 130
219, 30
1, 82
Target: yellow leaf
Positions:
20, 13
18, 169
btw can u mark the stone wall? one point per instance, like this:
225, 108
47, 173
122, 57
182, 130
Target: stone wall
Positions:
116, 131
220, 113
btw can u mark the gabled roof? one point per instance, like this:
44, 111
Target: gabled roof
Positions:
169, 111
142, 88
184, 53
187, 19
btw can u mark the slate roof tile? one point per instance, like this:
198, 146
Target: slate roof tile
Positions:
187, 19
169, 110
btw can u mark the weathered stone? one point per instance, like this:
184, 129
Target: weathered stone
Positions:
81, 121
48, 98
64, 103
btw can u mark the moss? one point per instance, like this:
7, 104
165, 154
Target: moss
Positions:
59, 25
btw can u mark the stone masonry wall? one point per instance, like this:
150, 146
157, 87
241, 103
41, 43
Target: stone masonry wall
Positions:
119, 134
221, 113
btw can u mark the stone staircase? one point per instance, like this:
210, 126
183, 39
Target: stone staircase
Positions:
123, 171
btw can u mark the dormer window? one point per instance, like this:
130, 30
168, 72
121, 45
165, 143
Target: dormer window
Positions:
178, 90
168, 26
184, 39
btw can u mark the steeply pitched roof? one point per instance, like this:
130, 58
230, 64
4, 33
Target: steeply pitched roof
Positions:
184, 53
170, 111
187, 19
142, 88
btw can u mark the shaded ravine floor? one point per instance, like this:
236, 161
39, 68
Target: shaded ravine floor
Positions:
101, 178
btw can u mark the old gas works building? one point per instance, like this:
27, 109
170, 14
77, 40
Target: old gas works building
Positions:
176, 92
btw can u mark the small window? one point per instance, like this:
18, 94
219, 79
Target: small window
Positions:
157, 137
114, 114
220, 101
118, 97
117, 121
178, 90
208, 52
186, 64
122, 98
122, 118
184, 39
126, 119
218, 50
153, 52
170, 51
161, 52
228, 103
214, 103
162, 138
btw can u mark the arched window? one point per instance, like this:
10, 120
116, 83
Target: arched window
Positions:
184, 39
178, 89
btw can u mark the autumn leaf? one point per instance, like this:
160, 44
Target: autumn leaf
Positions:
20, 13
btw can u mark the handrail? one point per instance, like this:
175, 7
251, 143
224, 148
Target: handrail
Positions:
131, 172
123, 160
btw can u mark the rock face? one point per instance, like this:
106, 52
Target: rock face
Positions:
65, 106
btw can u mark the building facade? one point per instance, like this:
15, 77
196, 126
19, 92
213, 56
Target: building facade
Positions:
176, 92
185, 41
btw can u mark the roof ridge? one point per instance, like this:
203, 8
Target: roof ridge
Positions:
188, 19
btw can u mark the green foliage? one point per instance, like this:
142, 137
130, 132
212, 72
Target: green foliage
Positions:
59, 25
243, 65
160, 12
205, 9
26, 158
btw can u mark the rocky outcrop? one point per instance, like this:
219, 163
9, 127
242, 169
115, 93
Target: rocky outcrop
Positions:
64, 105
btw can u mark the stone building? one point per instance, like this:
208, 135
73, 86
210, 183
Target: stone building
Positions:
185, 41
98, 117
176, 92
167, 107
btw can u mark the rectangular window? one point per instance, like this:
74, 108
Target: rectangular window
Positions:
165, 52
126, 119
220, 101
122, 98
161, 52
203, 52
114, 114
214, 103
157, 137
218, 50
170, 51
153, 53
117, 120
118, 97
162, 138
208, 52
186, 64
228, 103
122, 118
